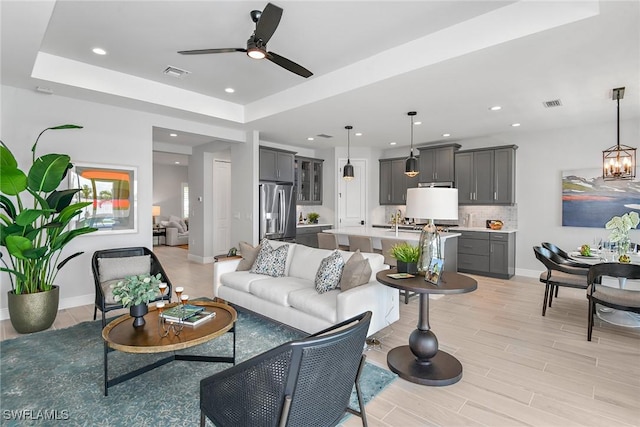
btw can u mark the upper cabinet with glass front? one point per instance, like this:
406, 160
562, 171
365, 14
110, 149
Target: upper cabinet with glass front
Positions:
308, 180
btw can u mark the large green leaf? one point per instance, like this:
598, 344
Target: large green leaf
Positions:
59, 200
28, 216
47, 172
16, 245
35, 253
70, 211
8, 206
12, 180
33, 149
6, 158
64, 238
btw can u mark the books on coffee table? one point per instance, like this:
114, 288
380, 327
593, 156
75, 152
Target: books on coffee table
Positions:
198, 318
180, 312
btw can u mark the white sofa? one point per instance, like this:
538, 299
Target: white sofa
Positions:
293, 299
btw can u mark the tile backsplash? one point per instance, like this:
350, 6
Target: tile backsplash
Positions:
480, 213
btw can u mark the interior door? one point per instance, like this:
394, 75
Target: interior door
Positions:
352, 195
221, 207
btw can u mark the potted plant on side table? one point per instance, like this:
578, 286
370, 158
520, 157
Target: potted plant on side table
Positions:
33, 229
313, 217
135, 292
407, 257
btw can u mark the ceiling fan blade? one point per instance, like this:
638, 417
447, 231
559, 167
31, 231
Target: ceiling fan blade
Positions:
204, 51
288, 65
268, 22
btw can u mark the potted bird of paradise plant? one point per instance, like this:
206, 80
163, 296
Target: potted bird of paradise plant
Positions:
34, 231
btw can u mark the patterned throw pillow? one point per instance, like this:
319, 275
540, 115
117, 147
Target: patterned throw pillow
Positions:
270, 261
329, 272
357, 271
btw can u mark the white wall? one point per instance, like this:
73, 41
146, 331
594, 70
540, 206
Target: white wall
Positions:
111, 135
167, 188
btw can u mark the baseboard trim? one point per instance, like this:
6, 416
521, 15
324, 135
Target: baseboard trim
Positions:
64, 303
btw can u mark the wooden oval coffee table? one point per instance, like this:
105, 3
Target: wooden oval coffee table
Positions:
122, 336
421, 362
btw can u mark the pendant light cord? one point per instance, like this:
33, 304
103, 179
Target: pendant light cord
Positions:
411, 136
618, 99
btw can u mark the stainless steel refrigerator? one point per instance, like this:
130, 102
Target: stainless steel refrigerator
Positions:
277, 212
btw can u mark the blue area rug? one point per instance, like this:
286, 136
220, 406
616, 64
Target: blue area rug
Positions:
59, 374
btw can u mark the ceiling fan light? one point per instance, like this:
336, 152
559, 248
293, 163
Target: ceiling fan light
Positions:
256, 53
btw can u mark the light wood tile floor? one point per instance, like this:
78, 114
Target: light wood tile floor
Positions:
520, 369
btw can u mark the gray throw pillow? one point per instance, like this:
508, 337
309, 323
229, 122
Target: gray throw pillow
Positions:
249, 254
356, 272
119, 268
329, 272
270, 261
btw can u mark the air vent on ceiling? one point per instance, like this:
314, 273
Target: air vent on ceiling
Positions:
551, 104
175, 72
324, 135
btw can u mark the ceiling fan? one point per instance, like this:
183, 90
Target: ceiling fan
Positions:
266, 23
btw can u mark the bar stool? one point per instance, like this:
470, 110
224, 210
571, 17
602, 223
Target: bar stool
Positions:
387, 244
360, 242
327, 241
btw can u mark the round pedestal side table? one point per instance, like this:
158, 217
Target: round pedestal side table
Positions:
421, 361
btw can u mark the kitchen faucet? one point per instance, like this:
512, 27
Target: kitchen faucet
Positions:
397, 220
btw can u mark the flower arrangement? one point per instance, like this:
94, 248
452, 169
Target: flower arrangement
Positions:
620, 227
136, 290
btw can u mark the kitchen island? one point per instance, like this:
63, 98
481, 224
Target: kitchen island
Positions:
448, 241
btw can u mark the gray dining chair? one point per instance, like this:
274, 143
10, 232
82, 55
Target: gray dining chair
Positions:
327, 241
612, 297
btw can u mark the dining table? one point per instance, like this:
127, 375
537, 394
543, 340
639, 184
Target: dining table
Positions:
610, 315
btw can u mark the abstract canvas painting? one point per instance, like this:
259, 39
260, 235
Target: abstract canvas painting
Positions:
590, 201
112, 193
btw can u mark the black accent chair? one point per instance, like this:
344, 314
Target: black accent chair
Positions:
559, 273
616, 298
155, 268
307, 382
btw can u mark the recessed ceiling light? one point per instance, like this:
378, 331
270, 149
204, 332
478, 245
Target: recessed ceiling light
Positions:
229, 90
515, 125
446, 134
310, 138
177, 163
495, 108
358, 133
99, 51
173, 134
417, 123
392, 143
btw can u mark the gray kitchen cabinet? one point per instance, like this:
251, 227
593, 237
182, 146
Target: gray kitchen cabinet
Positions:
276, 165
487, 253
308, 235
308, 179
394, 182
486, 176
436, 164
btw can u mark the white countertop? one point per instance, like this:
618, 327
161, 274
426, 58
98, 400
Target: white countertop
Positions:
383, 233
488, 230
313, 225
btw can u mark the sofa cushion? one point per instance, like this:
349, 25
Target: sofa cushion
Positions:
356, 272
249, 254
277, 290
311, 302
241, 280
119, 268
181, 225
270, 261
329, 273
306, 261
